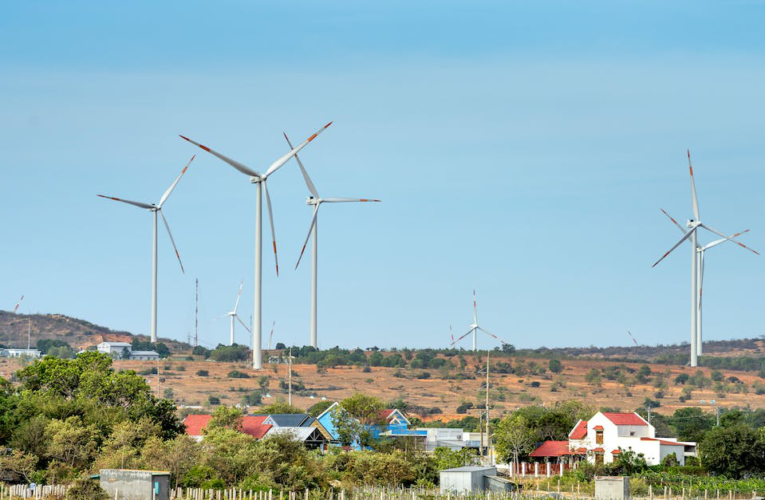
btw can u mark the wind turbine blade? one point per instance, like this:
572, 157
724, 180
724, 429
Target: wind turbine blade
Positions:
492, 335
167, 226
239, 166
238, 296
308, 181
242, 322
310, 230
271, 219
284, 159
134, 203
175, 183
723, 240
633, 338
693, 189
451, 332
18, 304
468, 333
718, 233
681, 228
270, 337
685, 237
349, 200
475, 309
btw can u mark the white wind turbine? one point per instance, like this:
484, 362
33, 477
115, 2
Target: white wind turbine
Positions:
260, 179
157, 209
15, 309
700, 251
475, 327
316, 201
692, 226
233, 315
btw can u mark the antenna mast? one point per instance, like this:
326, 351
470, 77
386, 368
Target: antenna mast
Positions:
29, 336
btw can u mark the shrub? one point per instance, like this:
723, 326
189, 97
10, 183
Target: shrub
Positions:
203, 373
237, 374
555, 366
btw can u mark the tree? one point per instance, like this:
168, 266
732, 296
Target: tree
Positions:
178, 456
450, 459
555, 366
365, 409
225, 417
691, 423
20, 463
733, 451
71, 442
279, 407
514, 438
319, 408
682, 379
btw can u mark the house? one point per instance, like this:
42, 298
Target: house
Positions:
123, 350
144, 355
607, 434
18, 353
253, 425
114, 348
311, 437
395, 423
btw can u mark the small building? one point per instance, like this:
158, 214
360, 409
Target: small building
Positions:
469, 479
114, 348
18, 353
135, 484
144, 355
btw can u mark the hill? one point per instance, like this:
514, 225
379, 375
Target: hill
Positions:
78, 333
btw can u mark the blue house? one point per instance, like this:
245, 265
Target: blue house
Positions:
396, 424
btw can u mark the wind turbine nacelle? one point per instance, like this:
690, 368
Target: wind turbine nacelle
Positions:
310, 200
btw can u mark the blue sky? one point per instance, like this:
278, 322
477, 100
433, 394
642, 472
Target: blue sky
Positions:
520, 148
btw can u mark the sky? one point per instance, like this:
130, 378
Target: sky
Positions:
521, 149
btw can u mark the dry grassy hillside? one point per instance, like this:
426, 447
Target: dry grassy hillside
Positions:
337, 383
76, 332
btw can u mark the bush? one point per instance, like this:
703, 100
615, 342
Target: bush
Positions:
203, 373
85, 488
555, 366
423, 375
237, 374
213, 400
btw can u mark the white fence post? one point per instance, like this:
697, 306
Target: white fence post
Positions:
536, 469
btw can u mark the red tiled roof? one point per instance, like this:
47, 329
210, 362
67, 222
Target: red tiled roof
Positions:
552, 449
615, 452
386, 413
251, 425
195, 423
625, 418
599, 450
581, 451
580, 431
598, 428
663, 441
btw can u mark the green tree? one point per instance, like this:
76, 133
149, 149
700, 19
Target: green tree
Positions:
225, 417
732, 451
279, 407
514, 438
691, 424
555, 366
319, 408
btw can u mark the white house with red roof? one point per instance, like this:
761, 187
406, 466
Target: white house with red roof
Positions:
601, 439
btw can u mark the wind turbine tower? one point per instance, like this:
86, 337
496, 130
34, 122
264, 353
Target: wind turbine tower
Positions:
260, 184
315, 200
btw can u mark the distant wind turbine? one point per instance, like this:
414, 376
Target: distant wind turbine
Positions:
316, 201
700, 251
693, 225
271, 337
475, 327
260, 182
633, 338
157, 209
233, 315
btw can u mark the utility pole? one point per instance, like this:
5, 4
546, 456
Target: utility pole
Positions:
649, 414
289, 378
488, 436
717, 413
29, 336
196, 314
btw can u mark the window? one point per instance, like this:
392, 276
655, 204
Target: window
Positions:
599, 457
599, 437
